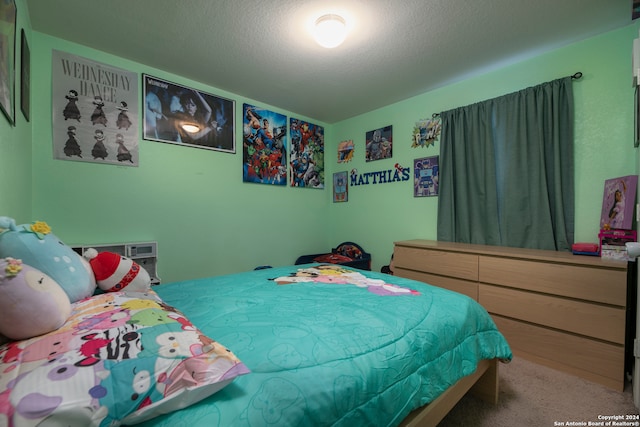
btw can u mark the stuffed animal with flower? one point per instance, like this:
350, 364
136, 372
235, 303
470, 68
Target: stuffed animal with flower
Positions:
24, 289
38, 247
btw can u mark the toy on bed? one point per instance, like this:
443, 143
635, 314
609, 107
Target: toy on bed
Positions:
24, 291
346, 253
114, 272
39, 248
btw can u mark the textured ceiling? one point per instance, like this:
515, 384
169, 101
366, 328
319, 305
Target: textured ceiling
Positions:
262, 50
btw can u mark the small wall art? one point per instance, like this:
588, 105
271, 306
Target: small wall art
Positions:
345, 151
340, 187
379, 144
25, 77
618, 202
425, 176
426, 132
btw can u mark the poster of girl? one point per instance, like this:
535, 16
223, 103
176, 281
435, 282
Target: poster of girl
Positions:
618, 203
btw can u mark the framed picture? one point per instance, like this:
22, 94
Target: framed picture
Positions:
618, 202
264, 146
340, 187
379, 144
181, 115
25, 77
345, 151
425, 177
94, 119
307, 154
7, 58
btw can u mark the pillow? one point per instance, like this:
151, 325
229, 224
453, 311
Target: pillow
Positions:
36, 246
31, 302
121, 358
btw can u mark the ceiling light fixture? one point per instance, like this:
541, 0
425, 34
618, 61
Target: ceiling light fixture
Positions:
331, 30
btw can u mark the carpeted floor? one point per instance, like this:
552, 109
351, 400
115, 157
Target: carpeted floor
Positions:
533, 395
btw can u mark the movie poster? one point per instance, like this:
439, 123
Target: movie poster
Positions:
95, 111
264, 146
307, 154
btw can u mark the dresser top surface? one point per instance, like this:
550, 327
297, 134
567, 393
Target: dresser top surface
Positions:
522, 253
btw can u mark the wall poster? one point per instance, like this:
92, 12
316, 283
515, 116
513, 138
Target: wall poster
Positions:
425, 177
8, 14
307, 154
95, 111
264, 146
181, 115
618, 202
340, 187
345, 151
379, 144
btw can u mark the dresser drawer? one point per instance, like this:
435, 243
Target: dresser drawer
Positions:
465, 287
591, 359
592, 320
602, 285
461, 266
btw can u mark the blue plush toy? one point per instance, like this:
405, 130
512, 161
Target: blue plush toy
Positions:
38, 247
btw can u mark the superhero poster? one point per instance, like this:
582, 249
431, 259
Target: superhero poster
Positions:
95, 111
307, 154
264, 146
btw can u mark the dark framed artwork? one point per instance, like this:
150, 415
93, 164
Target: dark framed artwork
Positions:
379, 144
7, 58
340, 187
425, 177
264, 146
181, 115
307, 154
25, 77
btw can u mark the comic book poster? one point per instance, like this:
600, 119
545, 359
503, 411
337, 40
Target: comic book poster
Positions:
307, 154
425, 177
345, 151
340, 187
426, 132
618, 202
95, 111
264, 146
379, 144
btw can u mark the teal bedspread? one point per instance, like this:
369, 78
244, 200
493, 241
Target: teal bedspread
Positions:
333, 349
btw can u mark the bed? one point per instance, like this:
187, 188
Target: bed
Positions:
307, 344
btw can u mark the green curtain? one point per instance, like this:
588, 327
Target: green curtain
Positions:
506, 170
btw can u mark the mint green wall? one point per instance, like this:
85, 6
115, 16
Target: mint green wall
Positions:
378, 215
192, 201
15, 144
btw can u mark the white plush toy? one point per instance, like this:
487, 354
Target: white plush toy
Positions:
115, 272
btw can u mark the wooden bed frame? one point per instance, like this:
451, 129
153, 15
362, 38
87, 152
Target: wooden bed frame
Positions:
483, 384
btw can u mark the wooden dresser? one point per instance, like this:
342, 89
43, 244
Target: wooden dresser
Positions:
562, 310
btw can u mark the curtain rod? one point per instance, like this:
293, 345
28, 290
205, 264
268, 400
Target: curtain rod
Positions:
575, 76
